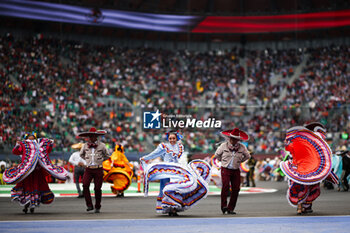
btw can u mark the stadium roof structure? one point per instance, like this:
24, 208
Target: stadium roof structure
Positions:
213, 7
194, 24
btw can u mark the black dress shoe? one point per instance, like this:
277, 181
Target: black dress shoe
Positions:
89, 208
224, 210
120, 195
173, 214
80, 196
308, 211
25, 210
231, 212
97, 211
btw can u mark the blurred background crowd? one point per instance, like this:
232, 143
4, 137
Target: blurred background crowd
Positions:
61, 87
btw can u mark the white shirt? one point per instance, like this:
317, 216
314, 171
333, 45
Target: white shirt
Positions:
230, 165
75, 159
92, 157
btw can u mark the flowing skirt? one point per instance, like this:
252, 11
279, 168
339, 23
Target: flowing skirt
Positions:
33, 190
302, 194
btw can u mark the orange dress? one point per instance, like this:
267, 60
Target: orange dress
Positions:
118, 171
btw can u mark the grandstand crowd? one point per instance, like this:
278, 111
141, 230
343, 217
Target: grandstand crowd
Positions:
59, 88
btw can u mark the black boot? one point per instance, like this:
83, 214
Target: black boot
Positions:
173, 212
231, 212
224, 210
25, 209
308, 210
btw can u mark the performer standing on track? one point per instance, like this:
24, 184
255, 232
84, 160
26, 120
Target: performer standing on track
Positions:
231, 154
188, 186
345, 155
79, 166
250, 177
118, 171
310, 164
168, 152
29, 176
94, 153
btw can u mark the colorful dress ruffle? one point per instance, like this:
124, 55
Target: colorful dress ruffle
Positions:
30, 175
167, 152
187, 186
312, 157
244, 167
34, 152
302, 194
216, 172
33, 190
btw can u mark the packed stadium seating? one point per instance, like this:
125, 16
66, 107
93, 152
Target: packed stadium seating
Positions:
61, 87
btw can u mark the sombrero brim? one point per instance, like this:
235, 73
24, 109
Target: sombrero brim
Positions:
315, 126
77, 146
242, 135
311, 157
341, 152
88, 134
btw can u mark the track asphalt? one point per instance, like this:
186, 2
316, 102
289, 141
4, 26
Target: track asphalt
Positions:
256, 212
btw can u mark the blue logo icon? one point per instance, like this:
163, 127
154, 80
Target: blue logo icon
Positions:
151, 120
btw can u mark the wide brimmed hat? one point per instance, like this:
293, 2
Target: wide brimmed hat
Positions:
311, 156
236, 133
77, 146
92, 132
316, 127
341, 152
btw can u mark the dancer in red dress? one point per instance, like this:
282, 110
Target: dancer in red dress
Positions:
29, 176
309, 165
